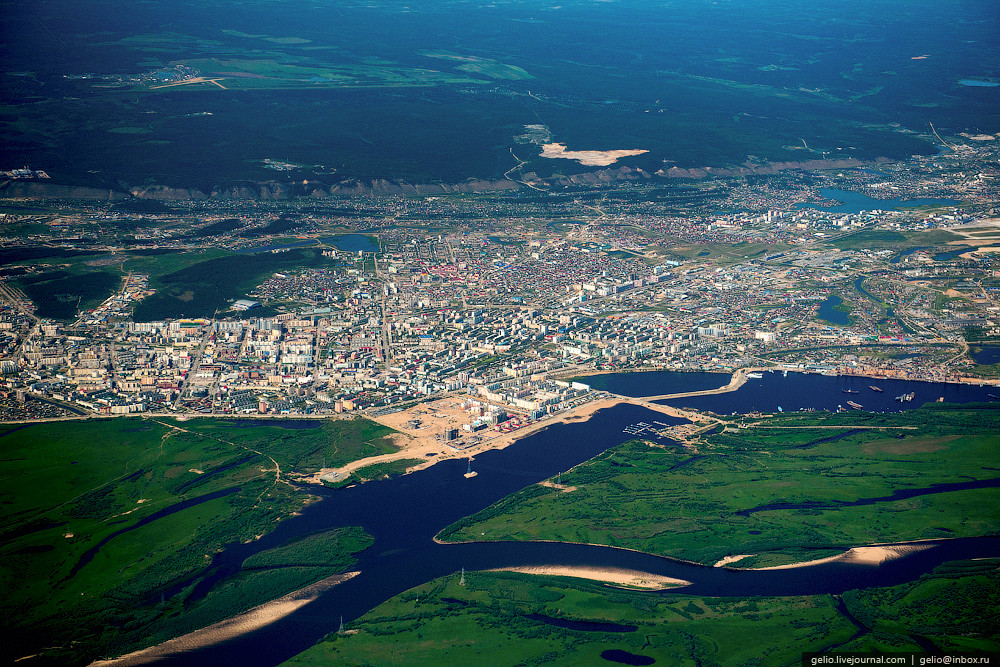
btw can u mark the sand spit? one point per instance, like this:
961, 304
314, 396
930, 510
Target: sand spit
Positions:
588, 158
249, 621
873, 555
611, 575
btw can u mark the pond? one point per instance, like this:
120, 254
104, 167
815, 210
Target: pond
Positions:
985, 354
828, 311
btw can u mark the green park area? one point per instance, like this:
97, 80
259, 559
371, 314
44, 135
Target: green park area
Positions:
201, 289
786, 488
881, 239
61, 294
109, 525
523, 618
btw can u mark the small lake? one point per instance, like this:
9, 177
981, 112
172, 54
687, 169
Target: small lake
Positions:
855, 202
986, 355
352, 243
952, 254
828, 311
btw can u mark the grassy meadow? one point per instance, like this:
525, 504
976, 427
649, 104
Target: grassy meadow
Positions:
490, 620
109, 524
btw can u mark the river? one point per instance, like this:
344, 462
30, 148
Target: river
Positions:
405, 513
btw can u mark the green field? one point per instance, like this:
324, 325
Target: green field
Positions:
887, 239
61, 294
954, 608
201, 289
639, 496
104, 519
487, 622
333, 443
735, 252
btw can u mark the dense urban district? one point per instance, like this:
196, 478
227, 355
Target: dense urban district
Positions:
461, 321
320, 305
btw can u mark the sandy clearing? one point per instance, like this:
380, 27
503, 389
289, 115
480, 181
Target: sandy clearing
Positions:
611, 575
249, 621
731, 559
562, 487
971, 253
588, 158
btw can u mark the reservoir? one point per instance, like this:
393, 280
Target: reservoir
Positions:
855, 202
405, 513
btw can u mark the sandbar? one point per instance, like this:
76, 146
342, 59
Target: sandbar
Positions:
873, 555
611, 575
249, 621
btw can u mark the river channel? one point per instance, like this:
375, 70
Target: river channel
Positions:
405, 513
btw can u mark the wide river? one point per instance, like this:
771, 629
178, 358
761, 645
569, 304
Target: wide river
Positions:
404, 514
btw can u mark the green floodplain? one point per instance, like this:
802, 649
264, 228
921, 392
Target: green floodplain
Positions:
102, 516
684, 503
705, 503
497, 614
95, 533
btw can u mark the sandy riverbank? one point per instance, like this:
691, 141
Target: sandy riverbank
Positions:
249, 621
611, 575
423, 443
